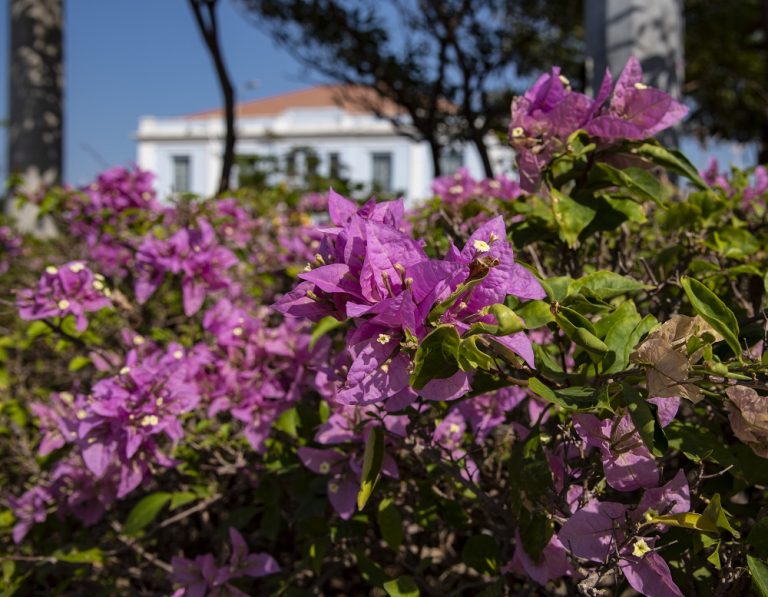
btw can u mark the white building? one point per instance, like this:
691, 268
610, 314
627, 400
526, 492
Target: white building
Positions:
185, 151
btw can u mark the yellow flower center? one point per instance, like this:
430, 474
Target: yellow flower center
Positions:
63, 304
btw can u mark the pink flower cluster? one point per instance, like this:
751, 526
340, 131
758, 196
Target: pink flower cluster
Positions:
461, 187
370, 271
753, 194
202, 577
192, 253
549, 112
71, 289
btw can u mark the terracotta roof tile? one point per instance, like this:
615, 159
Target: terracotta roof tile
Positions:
353, 99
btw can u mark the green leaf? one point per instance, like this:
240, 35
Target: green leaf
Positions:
576, 397
535, 314
145, 512
606, 285
404, 586
639, 183
759, 572
632, 210
672, 160
482, 553
686, 520
182, 498
390, 523
713, 311
621, 337
645, 421
758, 537
536, 529
373, 456
288, 422
75, 556
7, 519
509, 321
437, 356
471, 357
581, 332
325, 325
370, 570
717, 515
571, 216
38, 328
78, 362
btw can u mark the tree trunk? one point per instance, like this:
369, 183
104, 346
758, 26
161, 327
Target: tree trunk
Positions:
36, 96
482, 150
435, 151
762, 155
210, 32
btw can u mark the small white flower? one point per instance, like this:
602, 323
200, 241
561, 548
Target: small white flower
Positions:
640, 548
149, 421
481, 246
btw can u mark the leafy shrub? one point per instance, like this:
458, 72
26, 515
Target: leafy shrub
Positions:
556, 387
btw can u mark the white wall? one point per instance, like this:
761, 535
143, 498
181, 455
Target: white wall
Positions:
355, 137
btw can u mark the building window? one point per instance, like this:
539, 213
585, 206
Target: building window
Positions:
451, 159
382, 172
334, 165
290, 165
182, 174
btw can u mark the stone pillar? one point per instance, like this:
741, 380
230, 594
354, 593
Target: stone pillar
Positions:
651, 30
35, 95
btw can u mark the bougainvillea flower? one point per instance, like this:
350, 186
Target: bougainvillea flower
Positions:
202, 577
601, 530
192, 253
347, 430
636, 111
71, 289
552, 564
549, 112
627, 462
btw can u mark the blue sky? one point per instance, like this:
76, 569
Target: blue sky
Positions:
129, 58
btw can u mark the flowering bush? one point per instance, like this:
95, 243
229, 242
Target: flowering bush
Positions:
552, 388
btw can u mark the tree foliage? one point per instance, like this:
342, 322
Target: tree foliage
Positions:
451, 66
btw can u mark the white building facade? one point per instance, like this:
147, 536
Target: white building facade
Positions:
185, 152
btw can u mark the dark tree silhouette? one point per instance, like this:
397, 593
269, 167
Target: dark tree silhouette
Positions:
451, 65
207, 23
